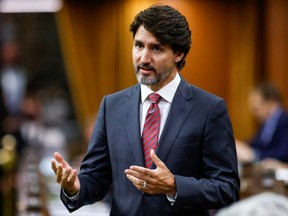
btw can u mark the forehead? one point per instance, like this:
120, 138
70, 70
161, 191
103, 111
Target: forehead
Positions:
143, 35
255, 98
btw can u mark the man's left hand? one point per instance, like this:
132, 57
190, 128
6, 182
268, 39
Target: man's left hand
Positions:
152, 181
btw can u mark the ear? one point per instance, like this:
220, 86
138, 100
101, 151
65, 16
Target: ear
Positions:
178, 56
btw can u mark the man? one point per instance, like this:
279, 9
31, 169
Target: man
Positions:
194, 165
13, 78
271, 140
266, 203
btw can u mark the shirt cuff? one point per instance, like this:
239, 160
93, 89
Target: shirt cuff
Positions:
73, 198
171, 198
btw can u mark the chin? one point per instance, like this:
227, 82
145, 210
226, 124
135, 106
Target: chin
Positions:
148, 80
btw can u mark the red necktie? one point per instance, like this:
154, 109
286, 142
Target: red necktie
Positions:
151, 128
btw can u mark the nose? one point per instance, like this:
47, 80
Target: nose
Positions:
145, 56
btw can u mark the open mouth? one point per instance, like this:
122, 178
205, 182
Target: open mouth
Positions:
145, 70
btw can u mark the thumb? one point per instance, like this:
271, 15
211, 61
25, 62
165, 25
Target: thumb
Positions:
155, 158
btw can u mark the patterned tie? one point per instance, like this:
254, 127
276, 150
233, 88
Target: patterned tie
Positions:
151, 128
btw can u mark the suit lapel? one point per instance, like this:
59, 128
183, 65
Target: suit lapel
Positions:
179, 111
132, 124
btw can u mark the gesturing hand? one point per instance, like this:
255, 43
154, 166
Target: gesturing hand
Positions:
65, 175
152, 181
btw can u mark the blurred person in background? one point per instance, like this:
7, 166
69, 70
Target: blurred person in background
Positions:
36, 130
3, 114
271, 139
12, 90
194, 165
13, 83
264, 204
13, 77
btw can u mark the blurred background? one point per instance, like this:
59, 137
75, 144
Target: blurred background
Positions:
59, 58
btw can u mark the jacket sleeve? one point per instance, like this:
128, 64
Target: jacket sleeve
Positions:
95, 173
220, 183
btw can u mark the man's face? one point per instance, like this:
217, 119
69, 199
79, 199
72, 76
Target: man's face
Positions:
154, 63
258, 106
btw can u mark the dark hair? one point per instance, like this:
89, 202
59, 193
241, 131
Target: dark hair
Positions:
269, 92
168, 26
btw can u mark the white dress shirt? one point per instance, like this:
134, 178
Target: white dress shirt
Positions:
167, 93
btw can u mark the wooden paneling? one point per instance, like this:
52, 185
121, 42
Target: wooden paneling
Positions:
277, 45
228, 54
243, 65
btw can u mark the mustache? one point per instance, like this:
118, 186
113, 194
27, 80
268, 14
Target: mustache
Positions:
145, 67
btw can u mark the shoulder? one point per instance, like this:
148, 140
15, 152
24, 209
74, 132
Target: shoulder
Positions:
122, 95
284, 118
197, 93
127, 92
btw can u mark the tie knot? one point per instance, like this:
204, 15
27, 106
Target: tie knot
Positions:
154, 98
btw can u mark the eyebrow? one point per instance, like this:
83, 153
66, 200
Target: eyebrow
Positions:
153, 44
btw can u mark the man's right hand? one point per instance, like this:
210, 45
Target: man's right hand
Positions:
66, 176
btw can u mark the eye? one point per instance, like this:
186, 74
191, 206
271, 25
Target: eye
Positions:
138, 44
156, 48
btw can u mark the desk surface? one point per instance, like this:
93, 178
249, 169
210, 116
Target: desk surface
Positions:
255, 180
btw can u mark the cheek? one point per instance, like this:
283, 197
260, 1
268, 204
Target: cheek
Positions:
135, 56
162, 64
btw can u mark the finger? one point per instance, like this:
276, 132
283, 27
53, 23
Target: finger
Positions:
54, 166
140, 172
133, 179
59, 173
72, 177
65, 177
133, 176
60, 159
146, 175
138, 183
135, 171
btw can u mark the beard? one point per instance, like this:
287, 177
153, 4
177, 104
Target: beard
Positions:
151, 79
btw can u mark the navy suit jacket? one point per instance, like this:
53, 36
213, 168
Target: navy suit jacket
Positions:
277, 147
196, 144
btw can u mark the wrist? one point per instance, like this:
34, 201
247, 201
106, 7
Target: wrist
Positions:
173, 190
70, 192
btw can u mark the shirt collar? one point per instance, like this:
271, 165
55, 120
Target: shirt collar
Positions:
167, 92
